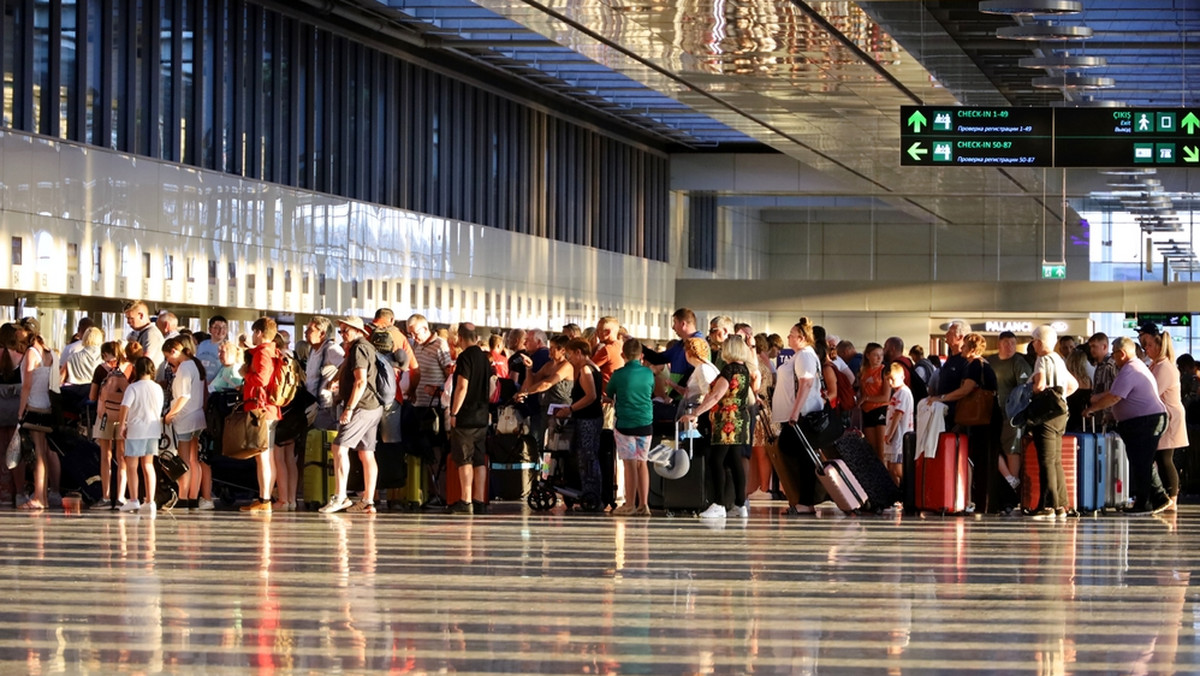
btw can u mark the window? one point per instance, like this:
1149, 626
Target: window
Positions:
18, 254
146, 264
168, 267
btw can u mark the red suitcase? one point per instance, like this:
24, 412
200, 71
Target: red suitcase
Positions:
1031, 476
943, 481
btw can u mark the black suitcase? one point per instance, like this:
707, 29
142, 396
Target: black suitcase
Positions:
513, 466
872, 475
608, 468
909, 480
692, 492
393, 468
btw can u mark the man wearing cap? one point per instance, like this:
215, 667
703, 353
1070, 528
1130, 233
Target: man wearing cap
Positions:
1141, 420
469, 421
359, 420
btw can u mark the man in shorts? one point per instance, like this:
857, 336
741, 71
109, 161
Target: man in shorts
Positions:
359, 420
631, 388
469, 421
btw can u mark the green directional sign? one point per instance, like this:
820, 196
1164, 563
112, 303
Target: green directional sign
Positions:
916, 121
916, 150
1163, 319
1190, 123
1054, 270
1191, 154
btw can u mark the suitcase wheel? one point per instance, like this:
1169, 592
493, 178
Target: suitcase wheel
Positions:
590, 502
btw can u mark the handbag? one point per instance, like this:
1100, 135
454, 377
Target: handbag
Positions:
247, 434
12, 454
170, 464
823, 427
38, 419
975, 408
1045, 406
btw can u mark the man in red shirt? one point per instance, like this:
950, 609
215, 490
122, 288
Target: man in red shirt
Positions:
608, 352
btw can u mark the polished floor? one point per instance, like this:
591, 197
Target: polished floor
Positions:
234, 593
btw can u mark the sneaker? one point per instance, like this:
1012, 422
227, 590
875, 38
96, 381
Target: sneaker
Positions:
742, 511
798, 510
1044, 515
1060, 514
259, 505
479, 507
205, 505
102, 504
626, 509
336, 504
54, 498
460, 507
148, 507
130, 506
644, 510
759, 494
714, 511
1014, 482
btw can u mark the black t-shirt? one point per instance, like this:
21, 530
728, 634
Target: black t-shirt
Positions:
951, 375
592, 410
981, 372
361, 355
475, 366
517, 365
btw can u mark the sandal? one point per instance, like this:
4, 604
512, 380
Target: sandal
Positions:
31, 506
362, 507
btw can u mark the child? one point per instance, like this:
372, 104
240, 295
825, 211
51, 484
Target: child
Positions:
899, 421
141, 427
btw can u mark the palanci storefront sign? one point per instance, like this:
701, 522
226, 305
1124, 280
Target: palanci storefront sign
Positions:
1021, 327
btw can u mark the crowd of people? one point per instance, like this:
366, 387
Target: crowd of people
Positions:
744, 392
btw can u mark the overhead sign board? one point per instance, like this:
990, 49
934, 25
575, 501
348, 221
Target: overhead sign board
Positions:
1163, 319
989, 137
1049, 137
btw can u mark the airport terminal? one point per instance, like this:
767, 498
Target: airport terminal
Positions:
982, 180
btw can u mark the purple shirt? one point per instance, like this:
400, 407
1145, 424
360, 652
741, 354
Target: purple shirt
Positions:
1138, 390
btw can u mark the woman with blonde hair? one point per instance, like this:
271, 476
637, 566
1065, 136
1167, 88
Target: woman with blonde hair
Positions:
729, 399
1161, 351
1077, 365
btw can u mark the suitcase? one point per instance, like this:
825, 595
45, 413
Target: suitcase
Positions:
1031, 481
393, 470
943, 481
418, 485
843, 488
691, 492
909, 476
859, 456
1116, 489
454, 487
608, 468
1091, 468
317, 470
787, 472
513, 467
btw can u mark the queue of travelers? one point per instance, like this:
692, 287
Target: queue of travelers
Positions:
747, 394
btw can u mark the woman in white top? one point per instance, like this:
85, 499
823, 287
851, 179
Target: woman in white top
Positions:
34, 411
141, 427
1161, 351
1050, 371
797, 393
186, 415
703, 373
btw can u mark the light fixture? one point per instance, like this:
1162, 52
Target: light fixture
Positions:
1088, 103
1143, 171
1030, 7
1044, 32
1146, 184
1073, 81
1062, 62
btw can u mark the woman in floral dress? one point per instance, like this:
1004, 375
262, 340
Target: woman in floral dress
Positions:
729, 398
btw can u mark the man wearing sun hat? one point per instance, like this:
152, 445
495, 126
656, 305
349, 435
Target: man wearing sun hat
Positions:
359, 419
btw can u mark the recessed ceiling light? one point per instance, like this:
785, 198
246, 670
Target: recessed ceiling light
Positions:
1043, 32
1073, 81
1030, 7
1129, 172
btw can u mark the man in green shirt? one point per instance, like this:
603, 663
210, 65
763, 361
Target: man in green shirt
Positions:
631, 388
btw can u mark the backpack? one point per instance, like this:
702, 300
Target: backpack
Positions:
510, 421
286, 378
112, 390
915, 382
844, 385
928, 373
385, 380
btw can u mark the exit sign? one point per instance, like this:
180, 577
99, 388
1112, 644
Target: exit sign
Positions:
1054, 270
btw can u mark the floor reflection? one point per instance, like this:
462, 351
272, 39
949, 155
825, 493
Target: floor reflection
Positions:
517, 593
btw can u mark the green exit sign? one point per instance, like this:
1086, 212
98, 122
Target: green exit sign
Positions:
1054, 270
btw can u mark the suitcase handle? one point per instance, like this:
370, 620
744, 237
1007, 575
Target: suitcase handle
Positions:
813, 455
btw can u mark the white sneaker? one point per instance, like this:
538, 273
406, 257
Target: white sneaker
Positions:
336, 503
130, 506
148, 507
205, 505
714, 511
742, 511
759, 494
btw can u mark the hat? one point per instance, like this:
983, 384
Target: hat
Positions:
1148, 327
353, 322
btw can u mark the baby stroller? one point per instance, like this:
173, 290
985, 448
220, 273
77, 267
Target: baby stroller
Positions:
560, 475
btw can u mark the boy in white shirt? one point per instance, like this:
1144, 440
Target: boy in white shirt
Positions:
899, 421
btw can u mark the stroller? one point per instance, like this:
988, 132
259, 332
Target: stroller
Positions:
560, 475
